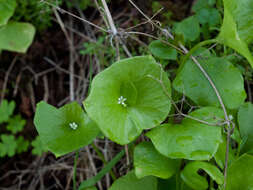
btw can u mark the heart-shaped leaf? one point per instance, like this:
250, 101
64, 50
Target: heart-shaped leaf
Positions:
227, 79
245, 120
64, 130
191, 139
7, 8
162, 51
240, 174
130, 182
127, 98
16, 36
194, 180
147, 161
237, 28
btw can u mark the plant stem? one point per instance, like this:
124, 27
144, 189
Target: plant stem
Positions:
74, 172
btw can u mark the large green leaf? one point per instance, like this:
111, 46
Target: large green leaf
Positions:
191, 139
245, 120
162, 51
16, 36
7, 8
227, 79
64, 130
147, 161
194, 180
125, 98
237, 29
131, 182
240, 174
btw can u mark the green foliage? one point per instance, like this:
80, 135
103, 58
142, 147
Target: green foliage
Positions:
227, 78
236, 31
58, 127
191, 139
6, 110
130, 94
130, 181
7, 8
162, 51
38, 147
8, 145
194, 180
147, 161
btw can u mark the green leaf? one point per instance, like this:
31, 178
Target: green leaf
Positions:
64, 130
237, 28
22, 144
227, 79
210, 16
147, 161
245, 120
6, 110
194, 180
16, 124
189, 28
92, 181
38, 147
130, 182
16, 36
125, 98
7, 8
8, 145
191, 139
240, 174
162, 51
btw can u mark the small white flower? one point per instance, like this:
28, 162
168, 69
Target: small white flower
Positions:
121, 100
230, 117
73, 126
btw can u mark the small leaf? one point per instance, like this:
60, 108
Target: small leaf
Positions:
189, 28
240, 174
8, 145
7, 8
245, 120
64, 130
130, 182
147, 161
16, 36
194, 180
162, 51
227, 79
126, 99
191, 139
6, 110
38, 147
237, 29
22, 144
16, 124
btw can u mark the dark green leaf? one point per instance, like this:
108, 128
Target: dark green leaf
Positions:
191, 139
7, 8
8, 145
227, 79
125, 98
22, 144
6, 110
16, 124
147, 161
162, 51
64, 130
38, 147
131, 182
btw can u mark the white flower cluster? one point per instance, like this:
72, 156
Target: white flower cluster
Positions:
73, 126
121, 100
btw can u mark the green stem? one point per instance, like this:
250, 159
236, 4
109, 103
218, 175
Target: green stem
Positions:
197, 46
101, 156
75, 165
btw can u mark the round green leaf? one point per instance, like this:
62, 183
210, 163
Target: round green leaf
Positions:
16, 36
147, 161
7, 8
189, 28
194, 180
191, 139
127, 98
162, 51
240, 174
237, 28
64, 130
131, 182
227, 79
245, 120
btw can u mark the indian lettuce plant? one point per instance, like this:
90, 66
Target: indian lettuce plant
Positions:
134, 96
